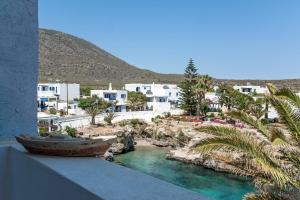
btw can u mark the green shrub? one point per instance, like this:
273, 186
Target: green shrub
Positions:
52, 111
159, 136
71, 131
221, 114
109, 117
211, 115
123, 123
182, 138
43, 131
132, 122
156, 119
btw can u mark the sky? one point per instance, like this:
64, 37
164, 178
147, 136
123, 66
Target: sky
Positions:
234, 39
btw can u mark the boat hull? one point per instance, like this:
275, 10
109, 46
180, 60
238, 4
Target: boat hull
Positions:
73, 148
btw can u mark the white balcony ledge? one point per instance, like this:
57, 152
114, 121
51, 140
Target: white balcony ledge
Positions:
29, 177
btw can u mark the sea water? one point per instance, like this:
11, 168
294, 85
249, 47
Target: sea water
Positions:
215, 185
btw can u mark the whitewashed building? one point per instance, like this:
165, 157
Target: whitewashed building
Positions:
50, 94
246, 89
118, 96
160, 97
213, 98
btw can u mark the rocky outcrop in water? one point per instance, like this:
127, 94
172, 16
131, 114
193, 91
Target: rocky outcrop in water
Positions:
123, 144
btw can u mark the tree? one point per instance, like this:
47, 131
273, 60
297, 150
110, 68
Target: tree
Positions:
187, 98
233, 99
85, 91
257, 109
136, 100
202, 86
273, 159
109, 117
94, 106
227, 95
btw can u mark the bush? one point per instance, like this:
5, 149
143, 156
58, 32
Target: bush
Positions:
182, 138
71, 131
52, 111
123, 123
167, 114
211, 115
156, 119
43, 131
159, 136
221, 114
109, 117
131, 122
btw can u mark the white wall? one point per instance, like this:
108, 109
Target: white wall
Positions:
118, 93
18, 67
60, 90
253, 88
170, 92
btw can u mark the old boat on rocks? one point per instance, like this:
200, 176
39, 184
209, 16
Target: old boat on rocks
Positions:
63, 145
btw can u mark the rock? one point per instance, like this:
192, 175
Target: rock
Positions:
149, 131
116, 148
123, 144
128, 129
162, 143
209, 161
108, 156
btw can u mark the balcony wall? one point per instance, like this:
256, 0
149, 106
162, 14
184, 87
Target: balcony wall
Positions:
25, 176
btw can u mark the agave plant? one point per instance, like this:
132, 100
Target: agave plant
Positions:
272, 153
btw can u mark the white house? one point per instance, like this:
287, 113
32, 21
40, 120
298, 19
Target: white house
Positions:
160, 97
246, 89
213, 97
49, 94
119, 96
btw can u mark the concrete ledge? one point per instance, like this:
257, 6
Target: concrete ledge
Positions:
84, 178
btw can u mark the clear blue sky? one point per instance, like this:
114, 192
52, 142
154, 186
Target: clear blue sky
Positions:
255, 39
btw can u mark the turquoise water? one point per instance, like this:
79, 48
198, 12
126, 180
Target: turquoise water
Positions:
215, 185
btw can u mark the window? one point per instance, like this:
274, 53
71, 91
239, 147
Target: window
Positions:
170, 94
176, 94
123, 96
246, 89
137, 89
110, 96
44, 88
51, 88
162, 100
149, 99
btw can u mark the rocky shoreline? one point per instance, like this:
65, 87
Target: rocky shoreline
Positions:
179, 137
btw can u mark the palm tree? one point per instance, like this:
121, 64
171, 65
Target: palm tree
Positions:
272, 154
202, 86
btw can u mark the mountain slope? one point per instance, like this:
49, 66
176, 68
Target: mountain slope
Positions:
68, 58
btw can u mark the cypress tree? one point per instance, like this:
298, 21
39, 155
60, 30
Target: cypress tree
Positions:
187, 100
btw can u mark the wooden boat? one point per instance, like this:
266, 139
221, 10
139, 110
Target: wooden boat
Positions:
63, 145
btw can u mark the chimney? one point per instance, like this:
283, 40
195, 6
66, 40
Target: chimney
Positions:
110, 86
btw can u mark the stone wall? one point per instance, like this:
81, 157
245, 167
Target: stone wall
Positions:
18, 67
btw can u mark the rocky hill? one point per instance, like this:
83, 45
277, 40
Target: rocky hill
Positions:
68, 58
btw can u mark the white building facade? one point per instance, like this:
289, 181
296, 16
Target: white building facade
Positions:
247, 89
51, 94
118, 96
160, 97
